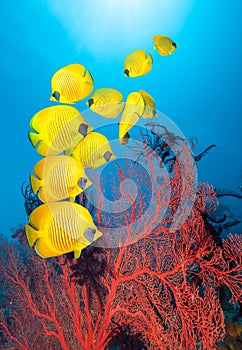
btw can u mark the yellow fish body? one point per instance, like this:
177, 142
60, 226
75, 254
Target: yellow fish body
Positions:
93, 151
164, 45
137, 63
58, 178
106, 102
71, 83
60, 227
138, 104
134, 106
58, 128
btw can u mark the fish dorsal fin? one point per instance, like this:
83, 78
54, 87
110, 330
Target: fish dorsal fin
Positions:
39, 168
40, 217
41, 119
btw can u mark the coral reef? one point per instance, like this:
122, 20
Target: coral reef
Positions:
158, 289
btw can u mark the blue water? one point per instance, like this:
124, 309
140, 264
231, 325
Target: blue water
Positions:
198, 87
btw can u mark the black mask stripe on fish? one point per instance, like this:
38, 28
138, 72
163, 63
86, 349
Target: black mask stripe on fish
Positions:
83, 129
90, 234
56, 95
107, 156
90, 102
82, 183
174, 44
126, 72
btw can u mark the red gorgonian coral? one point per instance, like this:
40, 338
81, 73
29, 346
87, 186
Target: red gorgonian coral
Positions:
160, 291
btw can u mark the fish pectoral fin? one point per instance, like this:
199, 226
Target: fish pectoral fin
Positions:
43, 250
78, 251
32, 234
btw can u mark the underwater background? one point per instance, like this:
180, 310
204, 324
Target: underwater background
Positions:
198, 87
162, 285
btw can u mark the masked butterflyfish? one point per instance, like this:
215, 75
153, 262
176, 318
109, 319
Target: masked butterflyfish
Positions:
164, 45
93, 151
58, 129
71, 83
138, 104
58, 177
60, 227
106, 102
137, 63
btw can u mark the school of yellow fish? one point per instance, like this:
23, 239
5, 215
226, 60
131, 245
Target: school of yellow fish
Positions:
69, 145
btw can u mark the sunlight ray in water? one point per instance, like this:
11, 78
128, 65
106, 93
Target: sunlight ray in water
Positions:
110, 28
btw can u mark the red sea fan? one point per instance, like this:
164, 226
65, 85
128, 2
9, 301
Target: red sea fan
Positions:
158, 292
164, 293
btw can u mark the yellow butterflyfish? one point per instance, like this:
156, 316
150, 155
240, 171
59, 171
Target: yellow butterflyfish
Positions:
138, 104
58, 178
71, 83
93, 151
106, 102
164, 45
57, 128
137, 63
60, 227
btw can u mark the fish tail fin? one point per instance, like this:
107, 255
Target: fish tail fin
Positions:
35, 183
147, 65
88, 78
72, 199
68, 151
150, 59
33, 138
32, 234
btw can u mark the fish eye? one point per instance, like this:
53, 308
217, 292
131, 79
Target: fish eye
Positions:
174, 44
126, 72
90, 102
89, 234
107, 156
56, 95
83, 129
